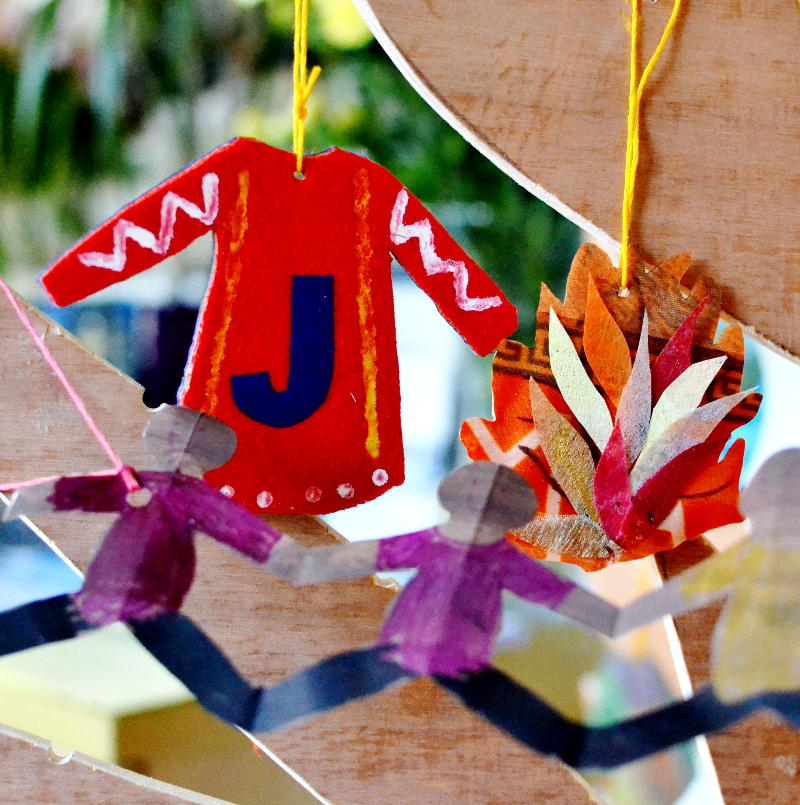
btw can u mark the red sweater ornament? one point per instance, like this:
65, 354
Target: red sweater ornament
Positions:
295, 344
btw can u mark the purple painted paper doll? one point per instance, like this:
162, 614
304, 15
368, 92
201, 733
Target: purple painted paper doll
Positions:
145, 564
445, 621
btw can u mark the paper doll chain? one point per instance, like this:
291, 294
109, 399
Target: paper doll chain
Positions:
635, 92
119, 467
303, 82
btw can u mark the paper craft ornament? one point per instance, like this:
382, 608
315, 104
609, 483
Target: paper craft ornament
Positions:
618, 414
443, 624
756, 637
145, 564
184, 650
754, 657
295, 345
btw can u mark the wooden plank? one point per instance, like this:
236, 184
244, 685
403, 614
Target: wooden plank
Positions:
541, 88
34, 776
414, 743
758, 760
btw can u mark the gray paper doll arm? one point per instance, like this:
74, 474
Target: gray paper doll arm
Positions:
657, 604
699, 585
694, 588
596, 613
31, 500
300, 566
590, 610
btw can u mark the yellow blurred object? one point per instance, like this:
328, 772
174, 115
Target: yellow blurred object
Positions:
340, 24
755, 641
103, 695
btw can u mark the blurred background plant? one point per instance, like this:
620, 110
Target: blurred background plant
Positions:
124, 92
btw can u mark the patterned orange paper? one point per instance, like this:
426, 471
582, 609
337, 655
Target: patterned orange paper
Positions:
604, 328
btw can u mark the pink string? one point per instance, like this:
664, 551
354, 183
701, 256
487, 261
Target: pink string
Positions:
119, 468
47, 478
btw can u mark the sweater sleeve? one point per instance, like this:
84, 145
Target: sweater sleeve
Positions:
533, 582
464, 294
225, 521
157, 225
88, 493
403, 551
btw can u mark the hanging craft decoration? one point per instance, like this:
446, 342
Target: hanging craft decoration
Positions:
295, 345
604, 415
619, 413
618, 418
145, 565
754, 664
442, 625
756, 637
439, 626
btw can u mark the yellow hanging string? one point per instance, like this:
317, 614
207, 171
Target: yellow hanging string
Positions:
303, 82
635, 92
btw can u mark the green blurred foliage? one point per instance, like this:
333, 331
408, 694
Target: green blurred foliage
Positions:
79, 80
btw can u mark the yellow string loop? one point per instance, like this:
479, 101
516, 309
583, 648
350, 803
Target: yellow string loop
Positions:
635, 92
303, 82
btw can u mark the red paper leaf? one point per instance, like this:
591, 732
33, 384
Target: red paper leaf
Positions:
712, 499
612, 488
677, 354
660, 494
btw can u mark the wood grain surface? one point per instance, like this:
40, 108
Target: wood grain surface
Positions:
412, 743
540, 86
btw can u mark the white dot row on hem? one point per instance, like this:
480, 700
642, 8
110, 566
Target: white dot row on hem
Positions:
313, 494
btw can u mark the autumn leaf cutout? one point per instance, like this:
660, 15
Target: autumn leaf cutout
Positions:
619, 413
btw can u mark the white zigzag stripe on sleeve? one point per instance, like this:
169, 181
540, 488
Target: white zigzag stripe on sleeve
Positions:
402, 232
126, 230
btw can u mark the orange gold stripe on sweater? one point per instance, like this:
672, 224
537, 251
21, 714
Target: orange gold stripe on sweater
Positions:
238, 231
366, 313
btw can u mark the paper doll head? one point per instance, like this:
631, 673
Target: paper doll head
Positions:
772, 500
485, 501
181, 439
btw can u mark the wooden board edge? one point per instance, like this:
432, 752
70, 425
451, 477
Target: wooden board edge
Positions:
606, 241
44, 747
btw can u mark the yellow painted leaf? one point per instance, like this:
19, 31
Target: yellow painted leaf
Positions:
568, 455
578, 391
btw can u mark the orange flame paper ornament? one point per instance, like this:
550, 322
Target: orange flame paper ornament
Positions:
619, 413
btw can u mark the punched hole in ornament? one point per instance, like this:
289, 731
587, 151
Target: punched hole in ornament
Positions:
138, 498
